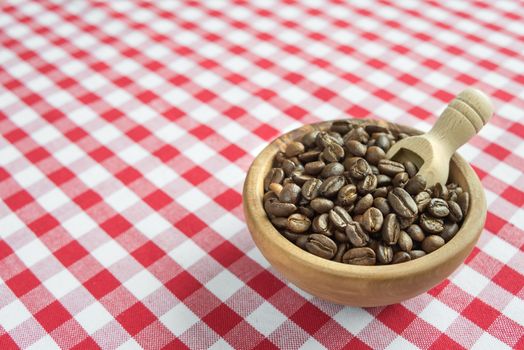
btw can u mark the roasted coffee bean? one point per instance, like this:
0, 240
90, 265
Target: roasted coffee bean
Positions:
452, 196
415, 254
381, 192
372, 220
279, 157
274, 207
369, 184
463, 202
332, 169
341, 237
357, 134
411, 168
291, 236
383, 142
323, 139
298, 223
359, 256
449, 231
347, 195
341, 249
321, 246
336, 138
360, 169
422, 200
400, 257
269, 195
301, 241
294, 149
376, 128
390, 229
275, 188
432, 243
299, 178
374, 170
415, 233
331, 186
322, 225
430, 224
321, 205
356, 148
314, 168
400, 179
358, 218
402, 203
311, 188
341, 126
375, 154
288, 166
455, 213
307, 211
415, 185
441, 191
382, 204
309, 156
339, 217
390, 167
290, 193
356, 234
438, 208
310, 138
406, 222
363, 204
275, 175
333, 152
405, 242
384, 254
383, 180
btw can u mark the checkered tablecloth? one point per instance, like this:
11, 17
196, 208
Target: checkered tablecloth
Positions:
127, 127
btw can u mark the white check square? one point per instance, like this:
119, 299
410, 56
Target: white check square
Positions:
93, 317
266, 318
142, 284
224, 285
179, 319
109, 253
61, 284
187, 253
13, 314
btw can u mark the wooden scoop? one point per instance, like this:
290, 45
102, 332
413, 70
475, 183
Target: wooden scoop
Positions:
431, 152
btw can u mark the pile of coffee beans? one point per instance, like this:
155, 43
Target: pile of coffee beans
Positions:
335, 194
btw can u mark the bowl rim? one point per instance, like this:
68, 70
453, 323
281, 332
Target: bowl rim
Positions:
466, 236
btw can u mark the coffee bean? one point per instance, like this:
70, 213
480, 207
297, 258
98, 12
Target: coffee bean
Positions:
332, 169
360, 169
349, 162
415, 254
411, 168
356, 234
432, 243
309, 156
390, 229
347, 195
290, 193
438, 208
323, 139
375, 154
307, 211
291, 236
333, 152
381, 192
294, 149
298, 223
322, 225
383, 180
336, 137
441, 191
404, 223
452, 196
321, 205
359, 256
331, 186
314, 168
376, 128
430, 224
400, 257
275, 188
415, 233
449, 231
390, 167
422, 200
321, 246
405, 242
400, 179
415, 185
301, 241
363, 204
357, 134
356, 148
372, 220
268, 195
309, 139
275, 175
463, 202
369, 184
341, 237
311, 188
455, 213
402, 203
382, 204
383, 142
374, 170
341, 126
274, 207
384, 254
341, 249
339, 217
299, 178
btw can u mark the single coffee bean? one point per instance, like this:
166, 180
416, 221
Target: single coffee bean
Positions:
411, 168
339, 217
359, 256
383, 142
349, 162
415, 233
383, 180
405, 242
415, 185
300, 178
384, 254
290, 193
402, 203
275, 188
381, 192
341, 237
298, 223
360, 169
341, 249
363, 204
332, 169
291, 236
301, 241
463, 202
288, 166
449, 231
321, 246
455, 213
375, 154
311, 188
358, 218
356, 148
430, 224
376, 128
314, 168
333, 152
337, 138
356, 234
404, 223
390, 229
341, 126
274, 207
452, 196
400, 257
323, 139
432, 243
369, 184
294, 148
321, 205
441, 191
279, 222
347, 195
415, 254
422, 201
275, 175
382, 204
438, 208
307, 211
310, 138
357, 134
372, 220
321, 225
390, 167
268, 195
309, 156
331, 186
374, 170
400, 179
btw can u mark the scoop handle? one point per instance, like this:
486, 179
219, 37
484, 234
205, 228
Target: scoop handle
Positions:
461, 120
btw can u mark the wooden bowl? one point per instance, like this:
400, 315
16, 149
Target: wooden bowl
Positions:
352, 284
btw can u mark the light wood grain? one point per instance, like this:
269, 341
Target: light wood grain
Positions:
460, 121
359, 285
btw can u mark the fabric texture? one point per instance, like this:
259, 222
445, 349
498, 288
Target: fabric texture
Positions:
126, 130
